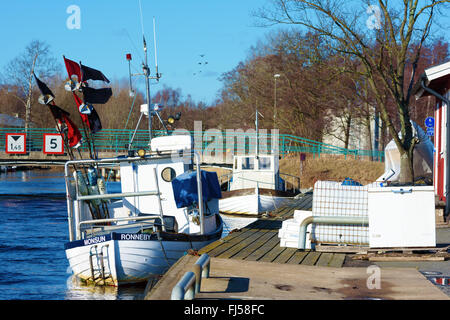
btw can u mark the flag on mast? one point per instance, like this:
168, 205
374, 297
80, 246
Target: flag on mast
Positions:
47, 94
100, 96
92, 120
73, 69
61, 117
90, 95
92, 74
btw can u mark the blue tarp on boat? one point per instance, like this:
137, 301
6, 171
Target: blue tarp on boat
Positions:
185, 188
351, 182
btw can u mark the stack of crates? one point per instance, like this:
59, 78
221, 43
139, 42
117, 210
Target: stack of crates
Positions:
289, 233
337, 199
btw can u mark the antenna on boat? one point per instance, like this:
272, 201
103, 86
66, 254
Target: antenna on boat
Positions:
146, 73
129, 58
156, 51
147, 89
257, 131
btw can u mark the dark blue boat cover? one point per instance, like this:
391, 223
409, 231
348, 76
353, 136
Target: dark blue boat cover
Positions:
351, 182
185, 188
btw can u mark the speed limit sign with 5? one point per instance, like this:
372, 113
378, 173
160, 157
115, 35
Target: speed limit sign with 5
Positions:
53, 143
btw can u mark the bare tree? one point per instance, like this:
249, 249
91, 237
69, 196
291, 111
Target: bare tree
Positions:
384, 44
19, 72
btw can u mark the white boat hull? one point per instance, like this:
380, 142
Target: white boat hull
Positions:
125, 260
255, 203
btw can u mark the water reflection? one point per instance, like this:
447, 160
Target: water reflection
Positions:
76, 290
35, 200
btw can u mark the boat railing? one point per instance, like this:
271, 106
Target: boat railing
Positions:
79, 198
294, 178
104, 224
258, 182
226, 178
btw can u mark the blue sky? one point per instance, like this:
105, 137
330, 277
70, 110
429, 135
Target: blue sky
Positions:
221, 30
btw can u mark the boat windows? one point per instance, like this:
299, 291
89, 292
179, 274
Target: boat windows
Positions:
168, 174
264, 163
248, 163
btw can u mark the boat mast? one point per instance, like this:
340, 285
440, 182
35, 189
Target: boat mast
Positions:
257, 133
257, 130
147, 91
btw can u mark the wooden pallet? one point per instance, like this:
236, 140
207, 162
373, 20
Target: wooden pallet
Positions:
407, 258
405, 254
341, 249
409, 250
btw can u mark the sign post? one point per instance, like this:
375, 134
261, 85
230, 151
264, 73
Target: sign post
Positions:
302, 159
429, 123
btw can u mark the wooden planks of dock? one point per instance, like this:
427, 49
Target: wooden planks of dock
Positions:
259, 241
231, 279
249, 264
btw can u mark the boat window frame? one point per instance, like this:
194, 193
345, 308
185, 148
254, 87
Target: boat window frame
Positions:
250, 166
172, 172
269, 168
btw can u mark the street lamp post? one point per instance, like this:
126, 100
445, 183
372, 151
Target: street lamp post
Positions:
275, 76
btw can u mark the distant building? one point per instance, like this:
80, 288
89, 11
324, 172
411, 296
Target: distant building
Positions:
358, 139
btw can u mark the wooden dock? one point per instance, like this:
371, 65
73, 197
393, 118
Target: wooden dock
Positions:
249, 264
259, 242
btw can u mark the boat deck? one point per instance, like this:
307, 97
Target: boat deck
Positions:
259, 241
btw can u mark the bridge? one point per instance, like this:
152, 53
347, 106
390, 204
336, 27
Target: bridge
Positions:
215, 147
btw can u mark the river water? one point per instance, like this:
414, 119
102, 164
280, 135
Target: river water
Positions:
33, 225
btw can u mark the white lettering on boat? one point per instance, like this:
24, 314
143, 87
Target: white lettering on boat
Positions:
94, 240
135, 236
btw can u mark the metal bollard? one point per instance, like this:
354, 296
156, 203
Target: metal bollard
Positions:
184, 289
201, 270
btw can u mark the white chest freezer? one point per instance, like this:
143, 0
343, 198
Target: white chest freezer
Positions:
402, 217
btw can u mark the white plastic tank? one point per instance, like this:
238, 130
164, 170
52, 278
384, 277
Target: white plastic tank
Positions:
423, 157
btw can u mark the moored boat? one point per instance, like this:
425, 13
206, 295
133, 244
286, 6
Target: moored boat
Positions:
255, 186
167, 204
165, 209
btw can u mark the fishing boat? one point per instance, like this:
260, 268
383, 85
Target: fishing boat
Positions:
164, 210
255, 186
166, 206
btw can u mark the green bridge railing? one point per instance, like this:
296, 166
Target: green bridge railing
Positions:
211, 141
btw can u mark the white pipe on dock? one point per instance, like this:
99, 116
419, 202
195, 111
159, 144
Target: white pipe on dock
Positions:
340, 220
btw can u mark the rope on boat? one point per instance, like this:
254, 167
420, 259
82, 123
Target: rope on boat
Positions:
163, 250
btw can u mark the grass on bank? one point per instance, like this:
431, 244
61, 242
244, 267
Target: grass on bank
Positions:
326, 168
331, 168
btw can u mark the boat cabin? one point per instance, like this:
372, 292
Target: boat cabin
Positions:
251, 171
158, 173
163, 184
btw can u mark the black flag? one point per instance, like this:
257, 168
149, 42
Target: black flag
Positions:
94, 96
58, 113
92, 74
62, 116
94, 121
43, 87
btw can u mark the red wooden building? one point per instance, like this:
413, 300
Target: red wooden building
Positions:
436, 82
